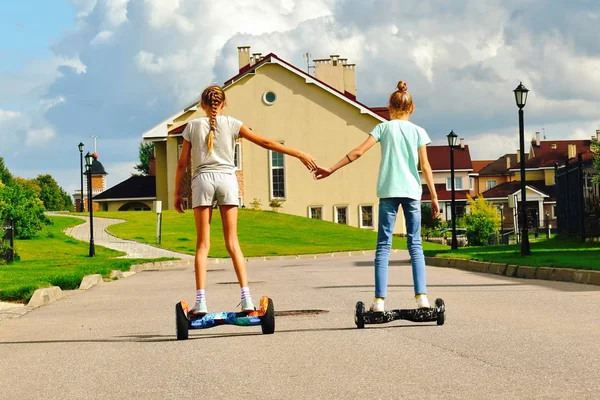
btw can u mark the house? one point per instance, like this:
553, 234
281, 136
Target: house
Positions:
540, 164
136, 193
98, 185
464, 179
318, 114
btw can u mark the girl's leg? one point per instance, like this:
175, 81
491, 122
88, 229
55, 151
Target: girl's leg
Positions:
202, 216
412, 215
229, 219
388, 208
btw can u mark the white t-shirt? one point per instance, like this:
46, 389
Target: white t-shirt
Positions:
221, 159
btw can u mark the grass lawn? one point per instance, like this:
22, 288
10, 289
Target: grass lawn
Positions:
261, 233
55, 259
555, 252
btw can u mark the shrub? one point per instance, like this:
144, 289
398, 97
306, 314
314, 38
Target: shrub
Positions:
255, 204
482, 222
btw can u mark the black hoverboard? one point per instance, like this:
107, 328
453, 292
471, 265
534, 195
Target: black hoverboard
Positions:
437, 314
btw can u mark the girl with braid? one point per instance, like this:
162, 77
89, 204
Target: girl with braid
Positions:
211, 142
403, 148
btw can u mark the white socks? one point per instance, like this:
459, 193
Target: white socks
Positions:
200, 296
246, 293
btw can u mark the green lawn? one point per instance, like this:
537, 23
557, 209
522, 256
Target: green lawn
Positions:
261, 233
555, 252
54, 259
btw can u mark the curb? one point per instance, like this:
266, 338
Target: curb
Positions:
589, 277
44, 296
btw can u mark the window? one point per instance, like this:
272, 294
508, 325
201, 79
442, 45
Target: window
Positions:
457, 183
237, 156
553, 211
269, 97
366, 216
471, 183
277, 175
490, 184
315, 212
340, 214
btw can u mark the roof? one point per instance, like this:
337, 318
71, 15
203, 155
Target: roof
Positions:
506, 189
439, 158
551, 152
271, 58
97, 168
382, 111
478, 165
134, 188
498, 167
443, 193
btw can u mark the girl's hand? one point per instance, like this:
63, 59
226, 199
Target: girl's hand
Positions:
308, 161
179, 206
321, 173
435, 209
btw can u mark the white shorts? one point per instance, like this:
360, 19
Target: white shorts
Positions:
210, 186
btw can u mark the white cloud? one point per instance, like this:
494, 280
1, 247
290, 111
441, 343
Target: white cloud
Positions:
39, 137
6, 115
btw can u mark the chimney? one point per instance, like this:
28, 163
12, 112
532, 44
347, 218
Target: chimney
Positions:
537, 139
598, 135
243, 56
507, 161
337, 73
257, 57
518, 156
462, 143
152, 171
572, 151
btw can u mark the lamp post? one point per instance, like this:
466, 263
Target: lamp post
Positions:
501, 223
521, 100
88, 167
80, 145
452, 144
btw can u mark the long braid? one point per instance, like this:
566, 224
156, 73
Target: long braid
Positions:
212, 98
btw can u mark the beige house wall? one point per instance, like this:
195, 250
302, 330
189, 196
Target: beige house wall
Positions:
162, 183
313, 120
115, 205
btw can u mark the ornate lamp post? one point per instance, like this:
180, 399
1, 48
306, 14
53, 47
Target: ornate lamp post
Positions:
452, 144
88, 167
81, 170
521, 100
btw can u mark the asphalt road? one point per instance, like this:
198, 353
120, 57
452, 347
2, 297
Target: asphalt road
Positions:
504, 338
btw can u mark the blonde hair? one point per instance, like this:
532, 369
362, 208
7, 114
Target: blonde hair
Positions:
400, 100
211, 99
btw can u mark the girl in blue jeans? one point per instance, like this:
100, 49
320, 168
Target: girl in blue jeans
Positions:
403, 148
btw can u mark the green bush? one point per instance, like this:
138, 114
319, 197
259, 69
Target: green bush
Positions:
21, 204
482, 222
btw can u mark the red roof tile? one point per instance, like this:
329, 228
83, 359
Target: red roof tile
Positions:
444, 194
505, 189
478, 165
551, 152
439, 158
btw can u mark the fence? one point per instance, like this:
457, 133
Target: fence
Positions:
7, 241
577, 199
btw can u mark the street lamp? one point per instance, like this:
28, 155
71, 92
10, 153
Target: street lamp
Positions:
80, 145
88, 167
453, 143
521, 100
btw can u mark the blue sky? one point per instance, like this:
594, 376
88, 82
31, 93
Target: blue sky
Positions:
115, 68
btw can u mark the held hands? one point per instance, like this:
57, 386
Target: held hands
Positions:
308, 161
321, 173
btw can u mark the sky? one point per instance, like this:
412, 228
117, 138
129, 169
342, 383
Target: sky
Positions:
71, 70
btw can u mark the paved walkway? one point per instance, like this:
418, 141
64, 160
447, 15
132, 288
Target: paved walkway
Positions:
103, 238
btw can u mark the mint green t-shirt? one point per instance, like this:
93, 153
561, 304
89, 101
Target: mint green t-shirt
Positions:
399, 168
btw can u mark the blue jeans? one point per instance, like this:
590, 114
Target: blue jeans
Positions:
388, 209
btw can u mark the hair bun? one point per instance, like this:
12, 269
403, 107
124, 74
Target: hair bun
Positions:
402, 86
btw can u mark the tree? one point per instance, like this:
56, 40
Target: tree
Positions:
67, 200
428, 223
596, 150
50, 194
146, 152
21, 204
482, 222
5, 176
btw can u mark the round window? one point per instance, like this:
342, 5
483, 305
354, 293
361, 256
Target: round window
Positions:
269, 97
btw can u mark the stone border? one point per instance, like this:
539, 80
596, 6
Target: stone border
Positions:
585, 276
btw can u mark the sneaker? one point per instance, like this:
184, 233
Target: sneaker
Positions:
422, 301
247, 304
378, 305
199, 308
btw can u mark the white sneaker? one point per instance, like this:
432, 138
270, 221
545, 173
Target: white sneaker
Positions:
422, 301
378, 305
247, 304
199, 308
